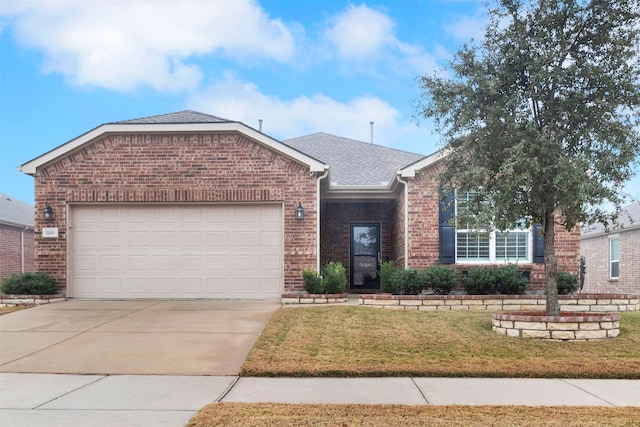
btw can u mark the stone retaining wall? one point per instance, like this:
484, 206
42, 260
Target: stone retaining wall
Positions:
571, 303
566, 327
300, 298
11, 300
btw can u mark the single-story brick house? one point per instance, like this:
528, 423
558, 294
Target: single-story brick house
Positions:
611, 258
16, 236
189, 205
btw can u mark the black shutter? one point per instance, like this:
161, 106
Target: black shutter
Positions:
447, 233
538, 244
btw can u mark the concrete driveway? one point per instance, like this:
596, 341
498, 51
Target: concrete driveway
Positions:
132, 337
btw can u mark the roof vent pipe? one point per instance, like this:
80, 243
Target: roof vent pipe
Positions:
260, 125
371, 123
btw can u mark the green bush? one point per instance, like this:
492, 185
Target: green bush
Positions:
567, 283
407, 282
509, 281
334, 278
29, 284
479, 281
312, 282
440, 279
387, 268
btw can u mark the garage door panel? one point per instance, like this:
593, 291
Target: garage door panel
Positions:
138, 286
217, 238
111, 262
138, 239
200, 251
111, 239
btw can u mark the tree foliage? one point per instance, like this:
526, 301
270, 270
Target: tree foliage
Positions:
542, 116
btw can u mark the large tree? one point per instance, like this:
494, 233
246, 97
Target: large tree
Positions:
542, 115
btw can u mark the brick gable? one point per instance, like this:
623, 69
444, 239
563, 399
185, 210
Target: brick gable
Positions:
206, 167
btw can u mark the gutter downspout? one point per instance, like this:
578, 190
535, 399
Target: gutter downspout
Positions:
406, 220
22, 249
321, 177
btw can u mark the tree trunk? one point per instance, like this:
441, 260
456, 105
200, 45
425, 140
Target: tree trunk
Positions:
551, 266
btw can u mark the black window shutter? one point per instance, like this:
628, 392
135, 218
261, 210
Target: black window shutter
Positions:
447, 233
538, 244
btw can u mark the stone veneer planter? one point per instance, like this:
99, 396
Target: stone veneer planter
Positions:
10, 300
566, 327
568, 303
304, 298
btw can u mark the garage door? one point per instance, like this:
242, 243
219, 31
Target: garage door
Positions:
180, 251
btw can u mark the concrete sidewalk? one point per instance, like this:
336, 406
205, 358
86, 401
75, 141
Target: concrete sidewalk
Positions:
165, 400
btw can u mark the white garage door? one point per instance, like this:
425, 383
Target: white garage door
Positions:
180, 251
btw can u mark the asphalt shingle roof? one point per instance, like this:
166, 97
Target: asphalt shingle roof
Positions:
629, 217
186, 116
15, 212
354, 163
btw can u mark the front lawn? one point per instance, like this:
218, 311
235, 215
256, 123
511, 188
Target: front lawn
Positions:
366, 342
269, 414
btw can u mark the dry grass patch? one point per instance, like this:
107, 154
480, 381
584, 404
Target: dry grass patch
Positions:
361, 341
267, 414
12, 308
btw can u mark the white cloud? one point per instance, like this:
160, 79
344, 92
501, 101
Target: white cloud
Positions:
360, 32
360, 36
466, 27
235, 99
123, 44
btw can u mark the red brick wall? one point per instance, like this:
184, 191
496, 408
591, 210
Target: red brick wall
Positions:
424, 237
423, 219
206, 167
596, 252
335, 219
16, 250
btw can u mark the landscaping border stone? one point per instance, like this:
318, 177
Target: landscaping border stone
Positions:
569, 326
11, 300
568, 303
304, 298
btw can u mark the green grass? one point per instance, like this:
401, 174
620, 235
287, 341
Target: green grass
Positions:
365, 342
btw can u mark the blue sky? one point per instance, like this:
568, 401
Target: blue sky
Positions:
302, 66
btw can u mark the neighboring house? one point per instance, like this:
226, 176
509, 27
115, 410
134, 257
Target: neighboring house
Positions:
188, 205
612, 258
16, 236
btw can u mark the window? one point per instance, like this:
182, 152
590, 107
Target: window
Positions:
614, 258
485, 246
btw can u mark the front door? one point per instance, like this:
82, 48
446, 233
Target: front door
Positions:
365, 255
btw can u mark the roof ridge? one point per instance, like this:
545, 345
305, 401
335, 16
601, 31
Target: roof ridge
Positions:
356, 141
176, 117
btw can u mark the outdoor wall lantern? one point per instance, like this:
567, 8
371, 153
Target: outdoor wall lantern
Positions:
299, 211
48, 212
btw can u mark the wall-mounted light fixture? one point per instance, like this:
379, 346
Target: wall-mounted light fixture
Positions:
48, 212
299, 211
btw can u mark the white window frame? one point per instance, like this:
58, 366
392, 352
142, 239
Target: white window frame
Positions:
615, 238
492, 244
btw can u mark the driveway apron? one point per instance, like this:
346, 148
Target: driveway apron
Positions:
200, 337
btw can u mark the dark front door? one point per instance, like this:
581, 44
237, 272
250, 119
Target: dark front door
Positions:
365, 255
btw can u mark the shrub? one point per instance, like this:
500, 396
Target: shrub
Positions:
407, 282
440, 279
508, 280
479, 281
312, 282
334, 278
29, 284
567, 283
387, 268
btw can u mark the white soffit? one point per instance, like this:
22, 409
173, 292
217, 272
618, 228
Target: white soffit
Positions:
410, 170
30, 167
